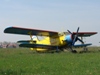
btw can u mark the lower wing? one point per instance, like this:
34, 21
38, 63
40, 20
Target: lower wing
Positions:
82, 45
31, 45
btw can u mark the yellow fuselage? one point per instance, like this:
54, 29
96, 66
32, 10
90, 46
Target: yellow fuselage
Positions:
53, 41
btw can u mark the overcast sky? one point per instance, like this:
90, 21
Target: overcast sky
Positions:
55, 15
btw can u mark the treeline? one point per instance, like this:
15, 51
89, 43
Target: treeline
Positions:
8, 45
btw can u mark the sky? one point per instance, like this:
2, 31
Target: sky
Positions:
54, 15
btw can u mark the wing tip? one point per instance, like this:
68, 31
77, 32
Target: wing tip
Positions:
6, 29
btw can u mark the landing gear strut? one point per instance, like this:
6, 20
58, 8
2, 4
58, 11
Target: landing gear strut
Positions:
73, 51
85, 49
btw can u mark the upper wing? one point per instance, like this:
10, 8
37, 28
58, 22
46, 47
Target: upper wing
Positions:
27, 31
85, 34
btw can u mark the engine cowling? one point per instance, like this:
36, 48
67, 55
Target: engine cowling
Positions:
69, 39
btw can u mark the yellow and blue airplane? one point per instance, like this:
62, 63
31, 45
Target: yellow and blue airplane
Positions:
53, 40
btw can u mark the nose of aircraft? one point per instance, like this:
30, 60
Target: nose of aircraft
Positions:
69, 39
72, 38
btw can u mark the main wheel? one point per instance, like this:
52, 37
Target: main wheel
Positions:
85, 49
74, 51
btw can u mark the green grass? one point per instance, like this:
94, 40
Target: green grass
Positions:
22, 61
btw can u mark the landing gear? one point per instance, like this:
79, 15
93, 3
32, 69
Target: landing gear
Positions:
57, 50
85, 49
74, 51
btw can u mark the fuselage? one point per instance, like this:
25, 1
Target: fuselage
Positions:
60, 40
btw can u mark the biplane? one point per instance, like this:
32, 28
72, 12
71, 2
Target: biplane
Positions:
52, 40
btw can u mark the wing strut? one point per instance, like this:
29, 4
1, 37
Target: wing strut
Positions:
30, 33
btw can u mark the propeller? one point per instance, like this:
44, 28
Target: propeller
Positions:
75, 37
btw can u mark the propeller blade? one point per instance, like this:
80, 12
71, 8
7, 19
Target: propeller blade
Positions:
76, 36
77, 29
80, 40
74, 40
69, 32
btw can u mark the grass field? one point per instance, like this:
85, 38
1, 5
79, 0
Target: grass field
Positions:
22, 61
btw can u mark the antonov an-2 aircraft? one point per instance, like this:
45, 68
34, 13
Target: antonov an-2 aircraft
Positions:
53, 40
